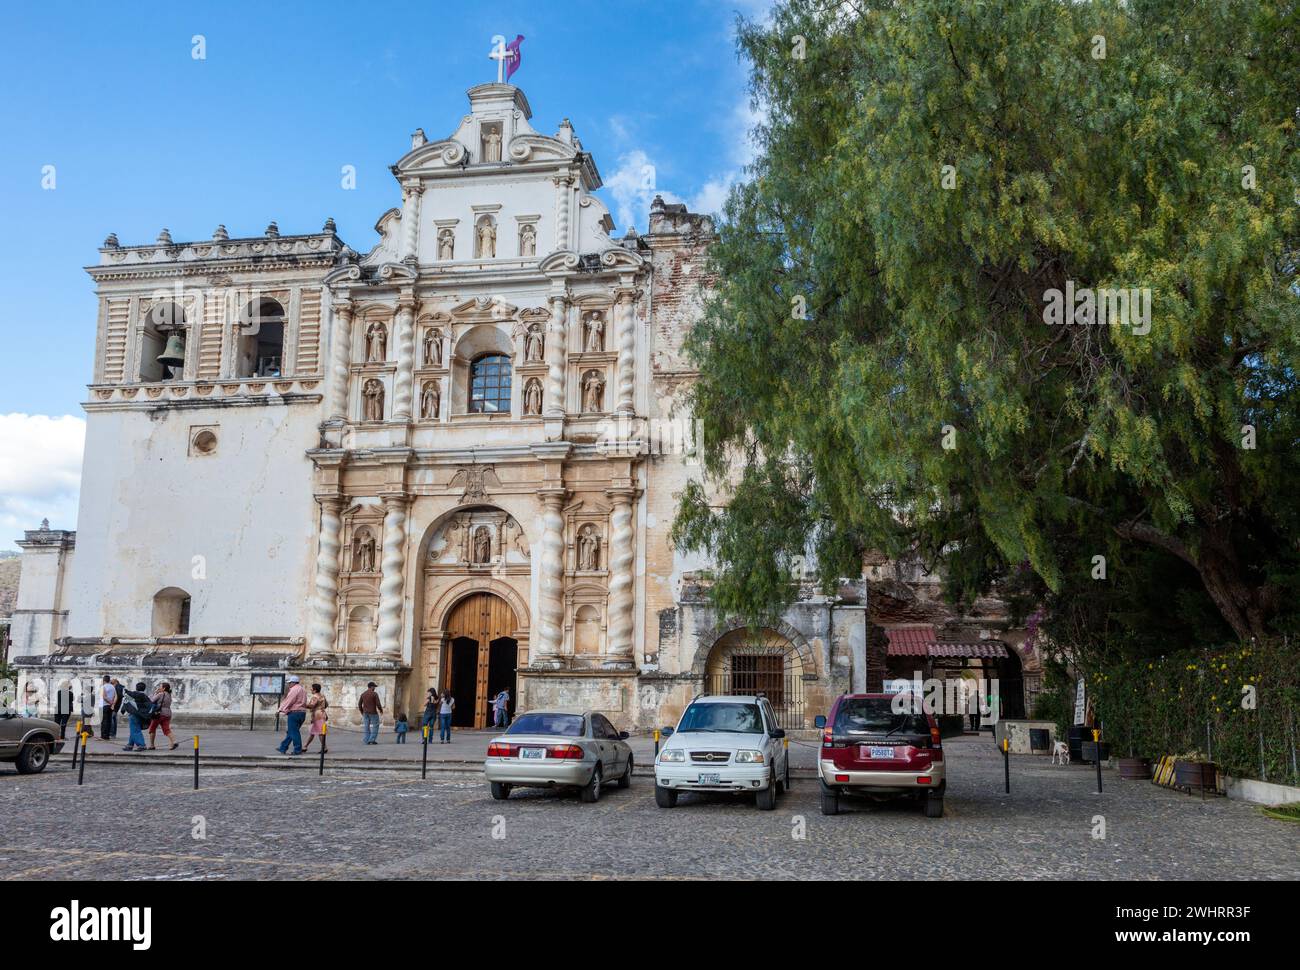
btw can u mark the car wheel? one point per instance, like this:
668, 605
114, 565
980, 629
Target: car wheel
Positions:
626, 780
766, 799
33, 758
665, 797
590, 792
830, 802
934, 807
500, 791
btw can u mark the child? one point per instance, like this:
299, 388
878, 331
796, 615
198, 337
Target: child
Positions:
401, 728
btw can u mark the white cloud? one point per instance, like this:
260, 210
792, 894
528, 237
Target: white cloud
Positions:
633, 187
40, 472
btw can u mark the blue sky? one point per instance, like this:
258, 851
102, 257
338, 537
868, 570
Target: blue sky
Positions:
142, 135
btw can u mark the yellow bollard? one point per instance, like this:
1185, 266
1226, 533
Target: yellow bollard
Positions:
656, 742
196, 762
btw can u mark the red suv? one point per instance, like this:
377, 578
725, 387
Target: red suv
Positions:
881, 746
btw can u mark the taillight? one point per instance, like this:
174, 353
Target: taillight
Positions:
827, 738
923, 780
935, 740
502, 750
571, 752
842, 778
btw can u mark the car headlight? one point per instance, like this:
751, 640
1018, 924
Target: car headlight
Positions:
749, 757
672, 756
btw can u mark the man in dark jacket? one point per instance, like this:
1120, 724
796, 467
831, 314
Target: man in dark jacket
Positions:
137, 705
370, 707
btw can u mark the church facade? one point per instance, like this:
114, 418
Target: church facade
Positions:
450, 462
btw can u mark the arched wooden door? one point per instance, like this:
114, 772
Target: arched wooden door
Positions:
475, 625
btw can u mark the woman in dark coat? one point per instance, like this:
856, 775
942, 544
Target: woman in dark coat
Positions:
430, 717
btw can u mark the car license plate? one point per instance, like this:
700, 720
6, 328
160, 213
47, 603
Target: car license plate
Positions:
710, 779
532, 752
874, 753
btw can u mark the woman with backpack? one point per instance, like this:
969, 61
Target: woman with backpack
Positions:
316, 705
163, 716
138, 707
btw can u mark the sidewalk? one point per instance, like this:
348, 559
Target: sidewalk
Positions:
226, 747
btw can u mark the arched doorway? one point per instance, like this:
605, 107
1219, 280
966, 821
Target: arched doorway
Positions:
763, 662
482, 656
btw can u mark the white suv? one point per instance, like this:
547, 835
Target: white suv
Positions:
724, 744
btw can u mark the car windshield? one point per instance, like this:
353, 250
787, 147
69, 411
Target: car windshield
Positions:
737, 718
559, 725
875, 715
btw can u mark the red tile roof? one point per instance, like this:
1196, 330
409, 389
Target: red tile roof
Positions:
918, 640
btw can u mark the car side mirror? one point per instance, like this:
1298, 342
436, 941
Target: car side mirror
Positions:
819, 721
778, 734
667, 732
623, 735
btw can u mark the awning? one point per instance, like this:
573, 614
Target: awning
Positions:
918, 640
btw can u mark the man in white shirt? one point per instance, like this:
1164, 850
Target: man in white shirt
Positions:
107, 698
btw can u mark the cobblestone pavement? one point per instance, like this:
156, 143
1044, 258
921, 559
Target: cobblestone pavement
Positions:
263, 824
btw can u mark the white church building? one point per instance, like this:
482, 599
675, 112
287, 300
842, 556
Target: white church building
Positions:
452, 461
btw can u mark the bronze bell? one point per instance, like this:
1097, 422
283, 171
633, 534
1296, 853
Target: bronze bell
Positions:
173, 354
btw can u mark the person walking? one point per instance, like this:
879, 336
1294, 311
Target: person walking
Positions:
316, 705
429, 719
119, 696
137, 706
500, 704
63, 702
446, 707
401, 727
294, 709
162, 717
370, 707
107, 695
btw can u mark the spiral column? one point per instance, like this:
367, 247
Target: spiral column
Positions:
625, 328
550, 593
325, 603
622, 550
392, 580
556, 354
404, 382
340, 361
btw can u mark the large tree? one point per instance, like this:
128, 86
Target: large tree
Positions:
878, 369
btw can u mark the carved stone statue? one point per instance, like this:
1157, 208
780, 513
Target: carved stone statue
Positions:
594, 330
363, 551
528, 240
491, 145
533, 397
376, 343
482, 552
593, 393
534, 348
487, 240
374, 398
430, 399
446, 244
588, 548
432, 348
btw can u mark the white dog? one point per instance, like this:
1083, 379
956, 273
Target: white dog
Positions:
1060, 753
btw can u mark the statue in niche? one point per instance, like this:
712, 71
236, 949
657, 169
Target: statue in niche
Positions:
534, 348
432, 348
482, 552
528, 240
491, 145
487, 240
374, 398
446, 244
376, 343
363, 551
594, 339
430, 399
533, 397
593, 393
589, 549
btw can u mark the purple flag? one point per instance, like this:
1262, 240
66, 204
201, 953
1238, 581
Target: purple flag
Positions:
517, 57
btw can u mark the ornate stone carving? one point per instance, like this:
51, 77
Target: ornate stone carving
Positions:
430, 401
404, 382
433, 347
624, 322
474, 479
593, 332
534, 344
363, 551
556, 345
593, 392
482, 546
491, 145
533, 396
550, 596
485, 235
528, 240
390, 586
621, 602
376, 343
588, 548
446, 245
374, 400
515, 538
325, 604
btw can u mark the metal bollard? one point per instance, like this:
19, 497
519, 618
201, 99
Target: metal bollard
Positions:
424, 755
76, 746
1006, 763
656, 742
1096, 740
81, 773
324, 731
196, 762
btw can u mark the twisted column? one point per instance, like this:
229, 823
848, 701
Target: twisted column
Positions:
404, 383
411, 195
556, 353
625, 329
562, 213
550, 593
340, 361
392, 581
622, 546
325, 604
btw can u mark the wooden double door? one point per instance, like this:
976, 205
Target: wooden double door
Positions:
482, 657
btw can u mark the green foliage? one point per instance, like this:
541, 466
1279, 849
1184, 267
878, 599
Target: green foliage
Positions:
1055, 702
924, 305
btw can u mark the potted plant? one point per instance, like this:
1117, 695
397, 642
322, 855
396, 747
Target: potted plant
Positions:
1193, 772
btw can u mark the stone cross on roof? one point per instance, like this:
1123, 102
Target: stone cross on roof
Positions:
504, 53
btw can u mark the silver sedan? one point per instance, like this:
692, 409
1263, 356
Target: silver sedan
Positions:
559, 749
